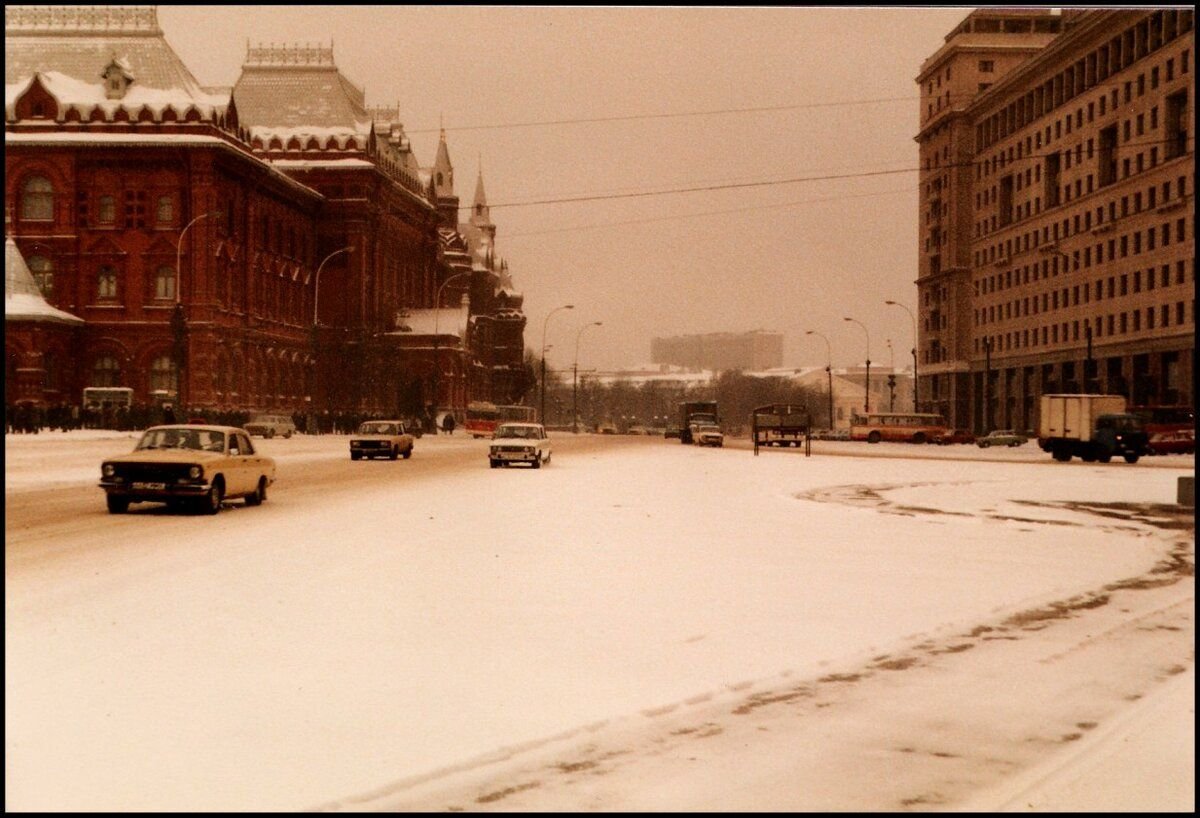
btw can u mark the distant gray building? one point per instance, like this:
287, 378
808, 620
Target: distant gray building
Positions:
717, 351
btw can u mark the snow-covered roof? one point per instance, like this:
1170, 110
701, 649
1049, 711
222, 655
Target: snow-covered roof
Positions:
23, 300
299, 91
71, 47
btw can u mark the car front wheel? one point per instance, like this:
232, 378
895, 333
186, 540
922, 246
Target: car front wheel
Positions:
260, 494
117, 505
355, 455
210, 503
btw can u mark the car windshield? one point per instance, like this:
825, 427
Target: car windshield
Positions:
377, 429
522, 432
201, 440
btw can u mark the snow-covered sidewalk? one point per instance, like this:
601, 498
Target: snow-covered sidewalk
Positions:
298, 655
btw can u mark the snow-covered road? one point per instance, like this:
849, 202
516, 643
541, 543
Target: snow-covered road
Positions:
412, 640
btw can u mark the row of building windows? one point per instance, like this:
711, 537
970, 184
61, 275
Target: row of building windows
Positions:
1135, 43
1138, 320
1062, 128
37, 205
1082, 293
1118, 247
1116, 284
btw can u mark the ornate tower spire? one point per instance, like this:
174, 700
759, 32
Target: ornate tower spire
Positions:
443, 170
480, 213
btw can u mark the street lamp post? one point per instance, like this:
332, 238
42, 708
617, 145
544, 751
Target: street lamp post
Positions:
828, 370
575, 378
891, 379
987, 384
316, 319
437, 364
916, 402
867, 401
545, 324
179, 317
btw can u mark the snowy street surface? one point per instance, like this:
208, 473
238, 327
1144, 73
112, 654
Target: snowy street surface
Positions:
638, 626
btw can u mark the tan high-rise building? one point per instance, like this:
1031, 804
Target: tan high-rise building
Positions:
1056, 240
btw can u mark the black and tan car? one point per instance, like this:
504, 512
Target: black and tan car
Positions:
381, 438
187, 465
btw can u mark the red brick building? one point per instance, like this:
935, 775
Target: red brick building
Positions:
250, 248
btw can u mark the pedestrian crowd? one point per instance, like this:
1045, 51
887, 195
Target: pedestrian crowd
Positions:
26, 418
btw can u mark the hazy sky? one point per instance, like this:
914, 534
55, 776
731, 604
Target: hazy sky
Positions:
779, 257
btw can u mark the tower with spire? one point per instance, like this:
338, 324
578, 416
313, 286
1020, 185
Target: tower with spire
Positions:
441, 185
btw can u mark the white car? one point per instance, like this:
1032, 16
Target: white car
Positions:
269, 426
708, 435
519, 443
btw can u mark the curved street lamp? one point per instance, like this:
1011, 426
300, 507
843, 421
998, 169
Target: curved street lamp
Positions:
828, 370
546, 323
575, 378
178, 318
317, 280
914, 348
437, 364
316, 350
867, 401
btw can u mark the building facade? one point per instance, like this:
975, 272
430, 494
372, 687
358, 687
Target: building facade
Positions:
756, 350
1056, 248
252, 248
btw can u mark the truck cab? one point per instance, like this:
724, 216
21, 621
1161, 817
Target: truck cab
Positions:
1118, 434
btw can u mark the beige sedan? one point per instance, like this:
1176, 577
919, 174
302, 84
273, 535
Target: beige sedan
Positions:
381, 438
186, 465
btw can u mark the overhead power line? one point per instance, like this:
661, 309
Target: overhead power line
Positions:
796, 180
633, 117
707, 213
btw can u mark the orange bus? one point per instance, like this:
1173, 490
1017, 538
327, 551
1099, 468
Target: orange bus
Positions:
483, 417
902, 427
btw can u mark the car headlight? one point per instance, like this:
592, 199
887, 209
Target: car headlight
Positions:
195, 472
108, 470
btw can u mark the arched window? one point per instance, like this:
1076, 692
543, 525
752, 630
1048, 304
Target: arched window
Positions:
106, 371
107, 210
164, 283
43, 274
162, 375
165, 214
106, 284
37, 199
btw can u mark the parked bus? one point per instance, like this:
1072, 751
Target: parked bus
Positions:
483, 417
97, 397
903, 427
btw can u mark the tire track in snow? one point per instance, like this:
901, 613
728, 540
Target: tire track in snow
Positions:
945, 761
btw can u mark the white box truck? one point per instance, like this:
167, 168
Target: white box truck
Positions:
1092, 427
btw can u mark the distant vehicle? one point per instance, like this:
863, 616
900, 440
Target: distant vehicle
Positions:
903, 427
1092, 427
381, 438
708, 435
638, 430
269, 426
693, 413
482, 417
606, 428
519, 443
1001, 437
97, 397
955, 436
1170, 429
200, 466
781, 424
671, 432
1183, 442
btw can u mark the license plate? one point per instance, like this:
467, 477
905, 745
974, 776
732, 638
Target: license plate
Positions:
150, 486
